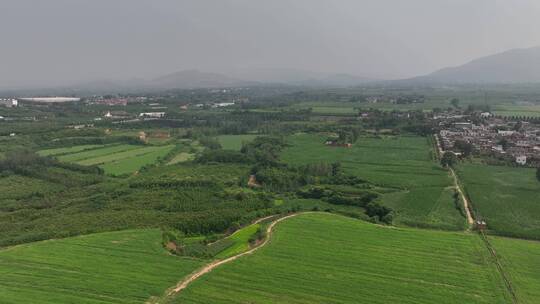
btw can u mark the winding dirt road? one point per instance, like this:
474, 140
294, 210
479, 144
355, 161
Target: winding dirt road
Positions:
208, 268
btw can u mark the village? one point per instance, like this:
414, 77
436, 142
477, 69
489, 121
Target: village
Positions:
511, 140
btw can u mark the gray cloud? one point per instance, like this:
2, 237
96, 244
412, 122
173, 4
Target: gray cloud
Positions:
68, 41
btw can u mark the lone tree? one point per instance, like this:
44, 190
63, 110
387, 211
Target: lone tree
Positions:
448, 159
538, 174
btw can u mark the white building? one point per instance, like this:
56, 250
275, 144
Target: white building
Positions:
485, 115
521, 160
153, 114
9, 102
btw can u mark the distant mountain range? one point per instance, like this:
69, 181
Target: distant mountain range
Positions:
514, 66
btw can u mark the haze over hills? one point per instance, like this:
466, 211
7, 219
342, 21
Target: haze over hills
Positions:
513, 66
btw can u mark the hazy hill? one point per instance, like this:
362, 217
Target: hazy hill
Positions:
514, 66
189, 79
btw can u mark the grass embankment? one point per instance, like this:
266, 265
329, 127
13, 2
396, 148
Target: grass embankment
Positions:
507, 198
324, 258
116, 267
423, 196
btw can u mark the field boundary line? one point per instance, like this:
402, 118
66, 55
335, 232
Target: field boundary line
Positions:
209, 267
500, 268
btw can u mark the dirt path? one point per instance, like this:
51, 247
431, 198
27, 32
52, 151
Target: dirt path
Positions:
208, 268
466, 202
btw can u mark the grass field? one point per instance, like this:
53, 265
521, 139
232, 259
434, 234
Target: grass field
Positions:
507, 198
521, 261
117, 267
404, 163
234, 142
114, 159
241, 241
374, 264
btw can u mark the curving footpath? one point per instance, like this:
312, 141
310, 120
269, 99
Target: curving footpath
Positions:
208, 268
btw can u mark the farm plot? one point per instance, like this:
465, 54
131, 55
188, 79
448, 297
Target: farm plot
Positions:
68, 150
324, 258
117, 267
118, 159
403, 163
506, 198
521, 261
234, 142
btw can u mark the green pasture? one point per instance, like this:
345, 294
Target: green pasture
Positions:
324, 258
117, 267
422, 196
507, 198
234, 142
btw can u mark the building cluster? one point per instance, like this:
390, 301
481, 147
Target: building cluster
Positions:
9, 102
114, 100
512, 140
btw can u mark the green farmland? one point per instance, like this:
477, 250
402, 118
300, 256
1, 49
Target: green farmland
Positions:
114, 159
234, 142
422, 194
379, 264
521, 261
117, 267
506, 198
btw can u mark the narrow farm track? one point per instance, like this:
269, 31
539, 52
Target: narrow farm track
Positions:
466, 203
208, 268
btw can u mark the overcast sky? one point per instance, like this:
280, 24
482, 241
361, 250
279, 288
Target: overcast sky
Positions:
51, 42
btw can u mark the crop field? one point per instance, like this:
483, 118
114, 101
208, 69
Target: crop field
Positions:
506, 198
240, 241
68, 150
117, 267
379, 264
517, 110
114, 159
403, 163
181, 157
234, 142
521, 261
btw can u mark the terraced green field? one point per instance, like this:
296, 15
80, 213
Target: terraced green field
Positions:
234, 142
114, 159
507, 198
117, 267
404, 163
68, 150
521, 261
374, 264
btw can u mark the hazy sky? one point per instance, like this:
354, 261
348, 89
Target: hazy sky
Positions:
50, 42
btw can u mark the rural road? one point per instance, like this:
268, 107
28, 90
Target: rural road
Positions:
208, 268
466, 203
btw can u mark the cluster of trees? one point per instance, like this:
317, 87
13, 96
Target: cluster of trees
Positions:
365, 199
